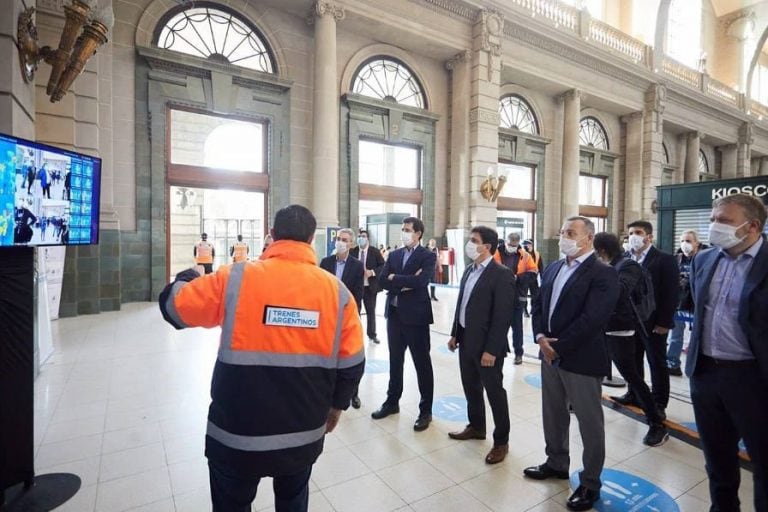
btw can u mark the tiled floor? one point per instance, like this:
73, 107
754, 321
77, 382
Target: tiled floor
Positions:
122, 403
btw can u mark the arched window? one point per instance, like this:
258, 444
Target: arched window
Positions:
517, 114
592, 134
684, 33
703, 163
211, 32
385, 78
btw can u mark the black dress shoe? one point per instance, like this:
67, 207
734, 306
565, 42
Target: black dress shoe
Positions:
422, 422
675, 371
543, 471
374, 339
384, 411
355, 402
626, 399
582, 499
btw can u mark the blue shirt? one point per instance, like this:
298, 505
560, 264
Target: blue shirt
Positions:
722, 335
565, 273
469, 285
340, 267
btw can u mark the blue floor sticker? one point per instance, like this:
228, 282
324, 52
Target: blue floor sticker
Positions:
443, 349
376, 366
624, 492
533, 379
450, 408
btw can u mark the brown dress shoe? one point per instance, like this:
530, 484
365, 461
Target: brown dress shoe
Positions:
469, 432
497, 454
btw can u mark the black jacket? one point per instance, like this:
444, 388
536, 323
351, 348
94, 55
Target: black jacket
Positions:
352, 277
623, 317
373, 261
489, 311
666, 278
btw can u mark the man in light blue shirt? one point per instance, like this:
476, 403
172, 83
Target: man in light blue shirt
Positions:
728, 354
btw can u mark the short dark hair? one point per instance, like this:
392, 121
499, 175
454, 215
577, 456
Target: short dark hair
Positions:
642, 224
294, 222
488, 236
361, 231
417, 224
608, 243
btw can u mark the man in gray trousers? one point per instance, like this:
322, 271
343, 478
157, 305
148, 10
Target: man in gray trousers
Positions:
569, 318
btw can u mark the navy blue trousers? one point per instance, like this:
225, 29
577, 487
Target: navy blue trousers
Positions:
730, 404
231, 492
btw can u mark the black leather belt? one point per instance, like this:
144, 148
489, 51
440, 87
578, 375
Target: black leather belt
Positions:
711, 362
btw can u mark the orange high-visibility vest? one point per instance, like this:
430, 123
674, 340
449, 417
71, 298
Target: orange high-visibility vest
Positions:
204, 252
239, 252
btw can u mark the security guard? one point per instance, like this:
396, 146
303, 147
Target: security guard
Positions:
239, 251
204, 253
290, 357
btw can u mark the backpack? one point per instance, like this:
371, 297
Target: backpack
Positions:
641, 298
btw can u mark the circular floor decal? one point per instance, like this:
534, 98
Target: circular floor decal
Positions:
533, 379
625, 492
450, 408
376, 366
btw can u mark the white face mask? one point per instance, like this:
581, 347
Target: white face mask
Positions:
511, 248
470, 249
686, 247
406, 238
362, 241
626, 247
341, 247
724, 235
569, 247
637, 242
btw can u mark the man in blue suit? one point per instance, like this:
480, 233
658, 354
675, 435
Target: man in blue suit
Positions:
569, 318
728, 353
408, 311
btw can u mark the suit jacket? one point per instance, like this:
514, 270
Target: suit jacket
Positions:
373, 261
410, 289
352, 277
580, 315
753, 304
489, 311
665, 275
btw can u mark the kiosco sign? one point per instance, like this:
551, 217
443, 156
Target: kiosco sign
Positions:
752, 190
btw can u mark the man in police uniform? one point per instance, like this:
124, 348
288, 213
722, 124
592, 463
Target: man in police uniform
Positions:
290, 356
204, 253
239, 250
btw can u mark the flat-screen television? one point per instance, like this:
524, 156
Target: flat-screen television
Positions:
48, 196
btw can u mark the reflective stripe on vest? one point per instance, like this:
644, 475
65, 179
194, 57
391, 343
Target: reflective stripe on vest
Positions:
170, 305
204, 253
240, 252
260, 358
264, 443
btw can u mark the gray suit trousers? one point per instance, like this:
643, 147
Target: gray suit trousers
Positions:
582, 392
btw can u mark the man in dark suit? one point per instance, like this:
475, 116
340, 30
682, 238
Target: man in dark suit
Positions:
665, 276
480, 324
408, 311
350, 271
569, 318
728, 354
373, 262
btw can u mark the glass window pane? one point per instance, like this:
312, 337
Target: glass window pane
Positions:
212, 141
591, 191
385, 164
592, 134
515, 113
509, 222
386, 79
519, 183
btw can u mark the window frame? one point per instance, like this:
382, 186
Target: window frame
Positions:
604, 132
389, 193
589, 210
527, 105
399, 62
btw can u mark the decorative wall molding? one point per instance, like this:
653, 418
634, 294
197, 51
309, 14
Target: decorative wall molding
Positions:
460, 57
484, 115
632, 116
492, 26
746, 134
53, 6
454, 8
325, 8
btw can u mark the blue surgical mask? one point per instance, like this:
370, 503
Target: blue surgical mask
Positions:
362, 241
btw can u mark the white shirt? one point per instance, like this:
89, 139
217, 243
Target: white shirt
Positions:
565, 273
469, 285
642, 255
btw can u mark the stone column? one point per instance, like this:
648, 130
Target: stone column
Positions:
653, 150
728, 168
570, 177
633, 177
740, 34
744, 151
460, 67
325, 118
485, 75
764, 166
17, 98
693, 144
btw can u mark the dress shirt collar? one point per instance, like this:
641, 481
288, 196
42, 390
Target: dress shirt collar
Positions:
580, 259
642, 254
483, 263
751, 252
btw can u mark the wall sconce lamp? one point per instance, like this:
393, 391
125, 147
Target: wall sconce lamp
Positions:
69, 59
492, 185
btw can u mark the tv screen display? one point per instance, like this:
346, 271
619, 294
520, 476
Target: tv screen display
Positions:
48, 196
